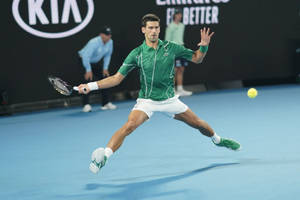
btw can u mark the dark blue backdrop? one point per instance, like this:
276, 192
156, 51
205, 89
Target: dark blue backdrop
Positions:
253, 41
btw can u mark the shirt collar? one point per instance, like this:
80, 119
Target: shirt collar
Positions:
146, 47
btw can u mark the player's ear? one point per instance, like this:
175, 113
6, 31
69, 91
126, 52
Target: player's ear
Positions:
144, 30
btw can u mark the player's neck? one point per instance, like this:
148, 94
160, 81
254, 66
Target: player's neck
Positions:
152, 44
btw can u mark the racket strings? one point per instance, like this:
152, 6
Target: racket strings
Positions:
61, 86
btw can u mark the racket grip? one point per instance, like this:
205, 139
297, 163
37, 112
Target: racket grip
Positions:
77, 89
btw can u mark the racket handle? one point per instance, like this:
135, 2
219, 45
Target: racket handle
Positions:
77, 89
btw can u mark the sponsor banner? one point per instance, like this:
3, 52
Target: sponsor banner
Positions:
37, 15
194, 12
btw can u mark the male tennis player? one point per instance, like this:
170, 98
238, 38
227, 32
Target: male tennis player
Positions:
155, 61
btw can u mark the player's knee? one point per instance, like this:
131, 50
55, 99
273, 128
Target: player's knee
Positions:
130, 126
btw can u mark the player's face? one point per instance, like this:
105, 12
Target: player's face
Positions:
151, 31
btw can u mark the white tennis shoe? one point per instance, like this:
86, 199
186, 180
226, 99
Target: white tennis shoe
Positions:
184, 93
98, 160
87, 108
109, 106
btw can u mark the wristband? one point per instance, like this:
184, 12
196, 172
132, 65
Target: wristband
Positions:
203, 49
93, 85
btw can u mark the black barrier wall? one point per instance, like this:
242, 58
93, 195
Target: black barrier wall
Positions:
41, 37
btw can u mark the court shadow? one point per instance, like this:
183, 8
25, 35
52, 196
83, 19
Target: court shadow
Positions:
151, 188
142, 189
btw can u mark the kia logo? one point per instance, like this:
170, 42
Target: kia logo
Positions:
41, 16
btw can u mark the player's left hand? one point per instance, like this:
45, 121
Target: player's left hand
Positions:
83, 89
105, 72
205, 36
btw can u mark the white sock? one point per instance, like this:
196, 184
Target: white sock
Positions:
179, 87
108, 152
216, 139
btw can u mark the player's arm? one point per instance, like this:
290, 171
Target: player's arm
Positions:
108, 82
199, 54
111, 81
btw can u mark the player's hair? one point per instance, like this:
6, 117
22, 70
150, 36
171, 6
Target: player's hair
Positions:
149, 18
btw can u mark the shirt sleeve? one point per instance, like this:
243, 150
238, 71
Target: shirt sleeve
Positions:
182, 52
107, 57
129, 64
87, 53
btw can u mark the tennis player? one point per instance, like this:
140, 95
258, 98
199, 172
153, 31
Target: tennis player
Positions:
155, 61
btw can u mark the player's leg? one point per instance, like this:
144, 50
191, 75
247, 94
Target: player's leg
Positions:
190, 118
100, 155
135, 119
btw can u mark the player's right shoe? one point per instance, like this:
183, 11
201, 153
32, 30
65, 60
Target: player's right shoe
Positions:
98, 160
229, 144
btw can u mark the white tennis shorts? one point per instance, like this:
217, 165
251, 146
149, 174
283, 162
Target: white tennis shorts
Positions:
170, 106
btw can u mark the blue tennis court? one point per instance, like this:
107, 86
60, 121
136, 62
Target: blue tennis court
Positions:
45, 155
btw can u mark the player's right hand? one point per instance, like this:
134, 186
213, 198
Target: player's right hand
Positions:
83, 89
88, 76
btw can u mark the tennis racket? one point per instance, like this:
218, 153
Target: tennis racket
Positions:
62, 86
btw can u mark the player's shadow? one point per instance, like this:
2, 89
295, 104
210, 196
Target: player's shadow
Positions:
151, 188
144, 189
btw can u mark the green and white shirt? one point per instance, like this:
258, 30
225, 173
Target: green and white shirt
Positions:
156, 68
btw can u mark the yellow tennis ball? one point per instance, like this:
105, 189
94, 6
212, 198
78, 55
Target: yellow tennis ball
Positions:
252, 93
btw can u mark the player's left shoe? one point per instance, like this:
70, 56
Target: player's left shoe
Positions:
229, 144
98, 160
